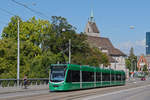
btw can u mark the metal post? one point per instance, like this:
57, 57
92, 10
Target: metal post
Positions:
49, 74
131, 66
80, 77
135, 65
101, 78
95, 77
110, 76
115, 77
131, 69
18, 59
69, 51
115, 63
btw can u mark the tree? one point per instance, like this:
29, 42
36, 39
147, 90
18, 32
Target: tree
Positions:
10, 31
40, 65
145, 69
131, 52
31, 34
41, 44
131, 61
93, 57
8, 61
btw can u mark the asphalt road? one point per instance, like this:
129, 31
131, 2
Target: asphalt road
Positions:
134, 90
138, 93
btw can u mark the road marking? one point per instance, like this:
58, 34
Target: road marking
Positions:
112, 93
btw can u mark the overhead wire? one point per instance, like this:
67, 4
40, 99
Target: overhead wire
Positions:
10, 13
32, 10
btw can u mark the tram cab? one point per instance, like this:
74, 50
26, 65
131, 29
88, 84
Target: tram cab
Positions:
57, 76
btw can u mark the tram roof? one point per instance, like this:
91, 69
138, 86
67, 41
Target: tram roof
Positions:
89, 68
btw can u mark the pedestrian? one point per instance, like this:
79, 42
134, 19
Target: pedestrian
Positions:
25, 81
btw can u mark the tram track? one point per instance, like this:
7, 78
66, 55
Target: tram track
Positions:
76, 94
96, 91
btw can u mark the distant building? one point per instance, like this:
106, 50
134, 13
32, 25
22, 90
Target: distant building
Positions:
142, 61
116, 57
147, 43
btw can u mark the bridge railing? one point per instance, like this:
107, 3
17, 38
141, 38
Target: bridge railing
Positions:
31, 81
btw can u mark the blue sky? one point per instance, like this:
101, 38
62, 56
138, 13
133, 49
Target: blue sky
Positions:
113, 17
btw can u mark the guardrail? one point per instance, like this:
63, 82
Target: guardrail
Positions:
31, 81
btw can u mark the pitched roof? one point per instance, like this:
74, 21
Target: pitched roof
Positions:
116, 52
91, 28
104, 43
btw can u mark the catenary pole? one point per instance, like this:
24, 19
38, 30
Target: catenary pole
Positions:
18, 58
69, 51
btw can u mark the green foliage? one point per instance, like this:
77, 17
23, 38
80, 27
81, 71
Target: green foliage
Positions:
145, 69
92, 57
10, 31
128, 64
131, 61
43, 43
31, 34
8, 55
41, 64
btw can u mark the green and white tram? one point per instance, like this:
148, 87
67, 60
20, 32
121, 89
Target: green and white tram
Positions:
71, 77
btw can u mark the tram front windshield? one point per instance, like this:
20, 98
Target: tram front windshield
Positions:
57, 73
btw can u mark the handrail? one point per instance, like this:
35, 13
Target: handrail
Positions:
32, 81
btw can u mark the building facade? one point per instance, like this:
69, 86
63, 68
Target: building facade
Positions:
143, 61
116, 57
147, 43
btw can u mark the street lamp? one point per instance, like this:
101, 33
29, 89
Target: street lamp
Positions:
132, 65
63, 30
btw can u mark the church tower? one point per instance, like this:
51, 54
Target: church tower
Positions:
91, 28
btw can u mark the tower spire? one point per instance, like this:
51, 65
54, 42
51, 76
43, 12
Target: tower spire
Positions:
92, 16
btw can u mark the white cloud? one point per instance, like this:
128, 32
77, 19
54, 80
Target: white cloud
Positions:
140, 43
139, 46
126, 45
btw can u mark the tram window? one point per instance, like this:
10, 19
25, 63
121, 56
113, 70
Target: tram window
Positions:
98, 76
106, 77
87, 76
123, 77
112, 77
92, 76
103, 77
69, 76
118, 77
75, 76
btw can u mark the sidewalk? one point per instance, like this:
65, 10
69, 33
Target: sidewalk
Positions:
21, 89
